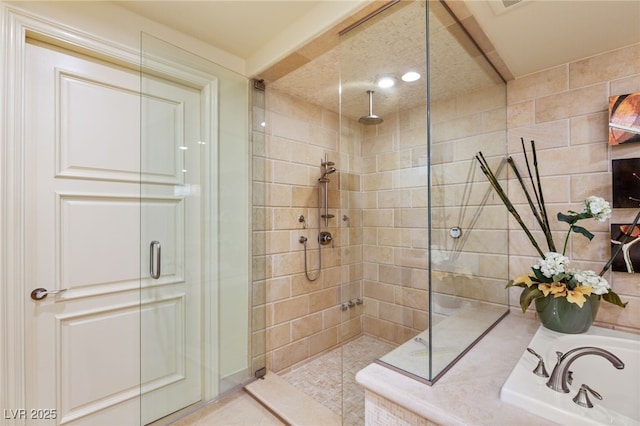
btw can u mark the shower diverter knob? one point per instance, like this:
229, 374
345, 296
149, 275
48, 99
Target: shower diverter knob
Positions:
325, 238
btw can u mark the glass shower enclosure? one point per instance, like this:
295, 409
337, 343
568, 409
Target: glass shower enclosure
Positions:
418, 100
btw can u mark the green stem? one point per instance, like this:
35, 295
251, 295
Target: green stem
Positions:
566, 240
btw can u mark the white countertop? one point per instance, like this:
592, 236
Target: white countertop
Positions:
469, 393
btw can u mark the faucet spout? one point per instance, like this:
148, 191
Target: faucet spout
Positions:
558, 379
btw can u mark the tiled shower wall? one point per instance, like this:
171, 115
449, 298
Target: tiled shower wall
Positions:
303, 317
395, 211
565, 110
380, 199
395, 240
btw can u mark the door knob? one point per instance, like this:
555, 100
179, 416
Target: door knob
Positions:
41, 293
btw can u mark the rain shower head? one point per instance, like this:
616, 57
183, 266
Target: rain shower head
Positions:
371, 118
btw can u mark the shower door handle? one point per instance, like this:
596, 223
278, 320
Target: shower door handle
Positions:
155, 252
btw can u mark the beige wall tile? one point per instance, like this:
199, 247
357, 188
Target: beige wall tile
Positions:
289, 355
379, 291
290, 173
277, 242
590, 128
494, 120
288, 128
521, 114
323, 341
537, 85
378, 254
323, 299
412, 298
625, 85
277, 289
377, 181
377, 218
278, 336
458, 128
278, 148
394, 198
306, 326
350, 329
478, 102
443, 110
330, 317
289, 309
410, 178
609, 66
552, 134
489, 143
586, 100
586, 185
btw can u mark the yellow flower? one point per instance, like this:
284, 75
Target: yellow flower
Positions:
523, 279
577, 295
556, 289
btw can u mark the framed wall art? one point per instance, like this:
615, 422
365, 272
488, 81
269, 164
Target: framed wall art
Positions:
624, 118
626, 182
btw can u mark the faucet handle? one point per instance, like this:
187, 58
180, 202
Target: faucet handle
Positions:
582, 398
540, 369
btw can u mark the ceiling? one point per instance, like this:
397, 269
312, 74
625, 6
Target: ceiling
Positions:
241, 27
530, 36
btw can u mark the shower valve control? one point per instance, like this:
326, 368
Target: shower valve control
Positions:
455, 232
325, 238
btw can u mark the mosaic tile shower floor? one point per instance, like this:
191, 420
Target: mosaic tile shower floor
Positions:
328, 376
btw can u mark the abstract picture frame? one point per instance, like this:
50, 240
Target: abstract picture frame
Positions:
624, 118
625, 179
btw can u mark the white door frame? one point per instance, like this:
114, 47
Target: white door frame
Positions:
15, 24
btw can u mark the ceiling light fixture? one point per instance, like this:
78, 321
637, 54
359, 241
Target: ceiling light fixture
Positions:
386, 81
410, 76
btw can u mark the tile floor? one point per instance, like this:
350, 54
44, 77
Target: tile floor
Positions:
323, 378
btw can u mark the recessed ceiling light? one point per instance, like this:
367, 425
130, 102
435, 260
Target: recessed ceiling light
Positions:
410, 76
386, 81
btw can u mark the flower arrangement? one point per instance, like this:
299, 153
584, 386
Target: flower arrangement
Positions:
551, 276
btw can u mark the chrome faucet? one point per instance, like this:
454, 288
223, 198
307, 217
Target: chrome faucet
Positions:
560, 374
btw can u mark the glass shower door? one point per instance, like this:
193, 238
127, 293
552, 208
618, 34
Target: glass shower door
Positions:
195, 254
173, 195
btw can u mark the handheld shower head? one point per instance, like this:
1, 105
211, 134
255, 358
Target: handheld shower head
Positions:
327, 171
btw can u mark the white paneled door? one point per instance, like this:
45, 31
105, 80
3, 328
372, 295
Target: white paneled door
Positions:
120, 343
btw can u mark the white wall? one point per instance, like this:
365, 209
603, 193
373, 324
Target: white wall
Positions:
109, 21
